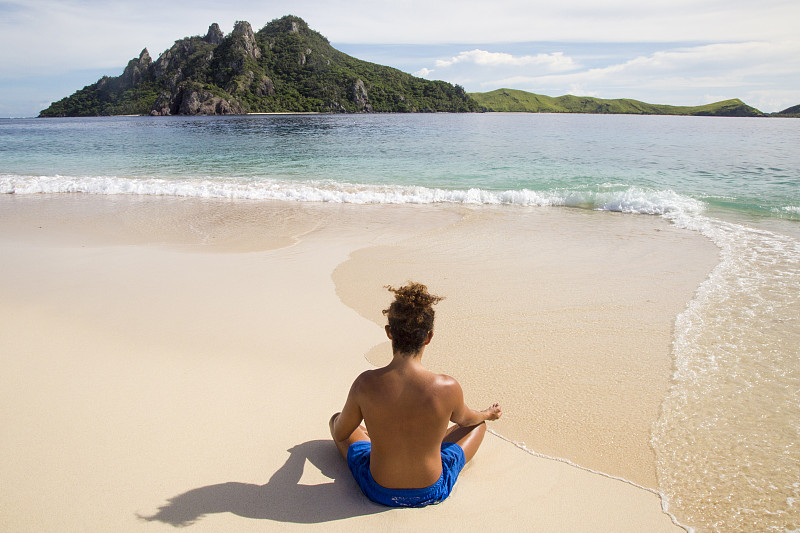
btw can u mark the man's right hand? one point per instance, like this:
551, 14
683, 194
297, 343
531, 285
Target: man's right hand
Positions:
493, 412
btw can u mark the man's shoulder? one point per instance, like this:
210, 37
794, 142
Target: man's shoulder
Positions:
447, 385
366, 378
363, 377
445, 380
375, 379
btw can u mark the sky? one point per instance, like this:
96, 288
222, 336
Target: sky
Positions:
678, 52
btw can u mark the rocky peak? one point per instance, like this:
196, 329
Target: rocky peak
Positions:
136, 70
145, 59
214, 35
287, 24
171, 59
243, 35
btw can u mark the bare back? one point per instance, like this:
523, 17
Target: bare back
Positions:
406, 409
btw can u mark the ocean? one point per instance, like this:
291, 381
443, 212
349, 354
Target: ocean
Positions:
726, 442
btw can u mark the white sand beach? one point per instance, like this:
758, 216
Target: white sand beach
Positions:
174, 362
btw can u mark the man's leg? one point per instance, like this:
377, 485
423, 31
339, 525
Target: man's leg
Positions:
359, 434
468, 437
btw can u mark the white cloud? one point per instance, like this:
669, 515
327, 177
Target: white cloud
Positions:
423, 72
554, 62
91, 33
469, 21
684, 75
580, 90
773, 99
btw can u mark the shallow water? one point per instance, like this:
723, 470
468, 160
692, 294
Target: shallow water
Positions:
727, 439
626, 163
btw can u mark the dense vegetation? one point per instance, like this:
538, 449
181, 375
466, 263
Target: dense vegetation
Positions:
283, 67
521, 101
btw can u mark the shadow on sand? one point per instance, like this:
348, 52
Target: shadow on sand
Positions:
282, 498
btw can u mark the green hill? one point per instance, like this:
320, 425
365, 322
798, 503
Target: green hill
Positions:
792, 112
512, 100
285, 66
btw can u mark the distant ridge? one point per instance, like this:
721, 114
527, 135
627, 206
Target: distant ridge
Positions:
793, 112
283, 67
513, 100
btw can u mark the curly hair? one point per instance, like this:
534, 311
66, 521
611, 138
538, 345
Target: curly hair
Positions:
410, 316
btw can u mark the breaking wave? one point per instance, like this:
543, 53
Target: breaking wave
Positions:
620, 198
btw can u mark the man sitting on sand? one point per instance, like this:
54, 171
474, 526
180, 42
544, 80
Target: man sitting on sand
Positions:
409, 458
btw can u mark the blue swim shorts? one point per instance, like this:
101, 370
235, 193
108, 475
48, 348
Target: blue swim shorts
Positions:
452, 462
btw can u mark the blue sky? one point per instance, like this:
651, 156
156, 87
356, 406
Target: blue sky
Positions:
680, 52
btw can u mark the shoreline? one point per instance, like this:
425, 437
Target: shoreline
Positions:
567, 314
773, 115
172, 343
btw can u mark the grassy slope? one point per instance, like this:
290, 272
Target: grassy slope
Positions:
791, 112
512, 100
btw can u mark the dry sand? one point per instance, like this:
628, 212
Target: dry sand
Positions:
171, 362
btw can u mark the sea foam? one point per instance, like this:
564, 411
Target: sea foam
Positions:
626, 200
729, 423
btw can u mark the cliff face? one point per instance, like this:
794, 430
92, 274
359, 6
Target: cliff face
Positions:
285, 66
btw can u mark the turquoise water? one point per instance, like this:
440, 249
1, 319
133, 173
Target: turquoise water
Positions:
628, 163
726, 442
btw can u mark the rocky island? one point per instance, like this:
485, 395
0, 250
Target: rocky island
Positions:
284, 67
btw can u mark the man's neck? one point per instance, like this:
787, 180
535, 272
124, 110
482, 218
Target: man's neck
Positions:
407, 360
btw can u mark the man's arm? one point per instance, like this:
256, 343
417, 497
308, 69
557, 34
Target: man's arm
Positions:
464, 416
350, 417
